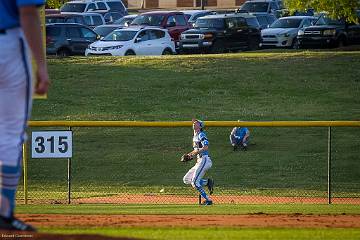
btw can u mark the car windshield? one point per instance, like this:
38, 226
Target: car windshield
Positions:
151, 20
209, 23
286, 23
120, 36
255, 6
123, 20
103, 31
323, 20
73, 7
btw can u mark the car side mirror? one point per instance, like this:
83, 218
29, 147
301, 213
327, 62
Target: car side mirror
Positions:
98, 37
127, 23
137, 40
171, 24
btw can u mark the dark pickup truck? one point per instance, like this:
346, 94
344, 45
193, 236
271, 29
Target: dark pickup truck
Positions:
222, 33
329, 33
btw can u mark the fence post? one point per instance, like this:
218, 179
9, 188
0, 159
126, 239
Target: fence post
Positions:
69, 177
25, 175
329, 165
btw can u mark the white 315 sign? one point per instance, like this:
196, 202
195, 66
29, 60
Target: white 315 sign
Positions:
51, 144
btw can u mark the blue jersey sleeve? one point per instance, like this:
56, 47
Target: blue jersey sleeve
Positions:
22, 3
203, 139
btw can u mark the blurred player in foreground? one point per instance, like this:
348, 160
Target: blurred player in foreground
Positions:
20, 32
203, 162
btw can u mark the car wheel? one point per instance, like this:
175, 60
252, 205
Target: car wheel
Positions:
63, 52
130, 53
167, 52
295, 44
341, 42
253, 44
218, 47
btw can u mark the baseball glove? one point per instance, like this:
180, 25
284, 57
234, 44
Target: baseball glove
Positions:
186, 158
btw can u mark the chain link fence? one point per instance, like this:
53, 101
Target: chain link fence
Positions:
141, 166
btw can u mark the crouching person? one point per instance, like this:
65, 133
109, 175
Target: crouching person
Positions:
239, 138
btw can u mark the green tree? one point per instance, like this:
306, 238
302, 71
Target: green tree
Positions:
55, 3
336, 9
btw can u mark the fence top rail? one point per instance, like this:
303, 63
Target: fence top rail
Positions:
189, 124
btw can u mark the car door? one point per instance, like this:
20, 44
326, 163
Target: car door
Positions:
353, 31
158, 42
76, 42
231, 32
238, 30
142, 45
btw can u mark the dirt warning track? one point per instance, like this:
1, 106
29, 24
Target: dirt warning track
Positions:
248, 220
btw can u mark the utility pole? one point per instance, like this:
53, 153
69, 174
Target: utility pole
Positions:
202, 5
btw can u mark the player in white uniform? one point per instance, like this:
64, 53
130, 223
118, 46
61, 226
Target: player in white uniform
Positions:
20, 32
201, 150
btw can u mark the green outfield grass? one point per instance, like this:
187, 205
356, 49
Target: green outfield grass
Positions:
251, 86
219, 233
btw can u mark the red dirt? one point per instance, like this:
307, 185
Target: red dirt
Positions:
240, 221
249, 220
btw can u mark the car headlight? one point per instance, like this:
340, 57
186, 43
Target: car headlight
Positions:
208, 35
301, 32
116, 47
329, 32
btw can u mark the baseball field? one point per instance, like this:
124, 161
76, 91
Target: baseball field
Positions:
283, 174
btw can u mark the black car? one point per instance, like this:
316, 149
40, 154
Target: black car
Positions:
328, 32
64, 39
221, 33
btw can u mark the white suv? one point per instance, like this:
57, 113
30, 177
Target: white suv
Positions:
103, 7
134, 41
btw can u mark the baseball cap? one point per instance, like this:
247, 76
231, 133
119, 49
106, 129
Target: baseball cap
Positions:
201, 123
